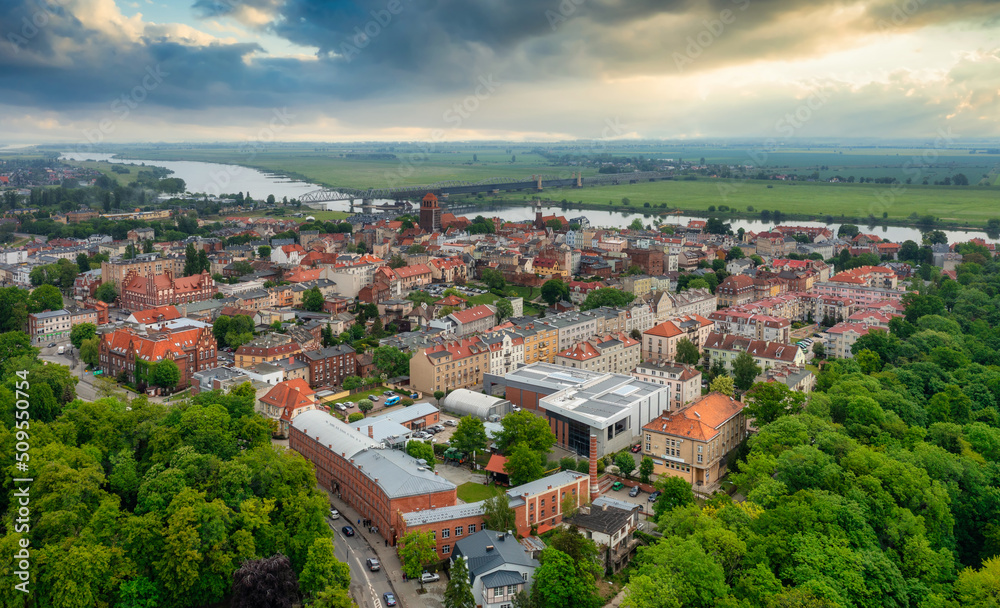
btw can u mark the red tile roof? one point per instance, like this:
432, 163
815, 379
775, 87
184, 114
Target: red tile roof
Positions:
153, 315
290, 395
700, 420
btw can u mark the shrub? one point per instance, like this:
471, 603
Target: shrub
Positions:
354, 417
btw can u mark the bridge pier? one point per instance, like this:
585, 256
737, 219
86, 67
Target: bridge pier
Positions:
367, 206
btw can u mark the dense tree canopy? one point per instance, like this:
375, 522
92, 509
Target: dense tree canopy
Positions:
881, 489
607, 296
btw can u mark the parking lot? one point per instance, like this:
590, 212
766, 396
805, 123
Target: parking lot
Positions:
438, 289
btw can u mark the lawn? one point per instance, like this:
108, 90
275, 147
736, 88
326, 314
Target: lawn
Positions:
964, 205
472, 491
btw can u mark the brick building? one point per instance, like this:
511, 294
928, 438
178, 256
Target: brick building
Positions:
142, 292
264, 349
191, 346
144, 264
329, 366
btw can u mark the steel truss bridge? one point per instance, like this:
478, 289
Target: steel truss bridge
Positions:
492, 185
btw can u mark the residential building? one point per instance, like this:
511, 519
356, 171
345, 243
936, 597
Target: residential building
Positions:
610, 523
611, 353
659, 343
453, 364
218, 379
692, 443
735, 290
684, 380
56, 325
329, 366
842, 336
266, 348
473, 320
145, 264
285, 402
499, 567
794, 377
726, 347
755, 326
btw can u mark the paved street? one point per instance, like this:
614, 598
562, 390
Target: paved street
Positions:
367, 587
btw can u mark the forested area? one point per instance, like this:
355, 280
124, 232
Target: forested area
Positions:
882, 491
139, 504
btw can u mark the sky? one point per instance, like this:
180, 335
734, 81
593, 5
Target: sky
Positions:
95, 71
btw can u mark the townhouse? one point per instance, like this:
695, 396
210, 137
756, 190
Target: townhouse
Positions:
612, 353
659, 343
726, 347
684, 380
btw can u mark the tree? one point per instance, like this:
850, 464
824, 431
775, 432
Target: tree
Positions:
505, 309
365, 406
438, 395
458, 593
83, 262
687, 352
421, 449
554, 224
416, 551
166, 374
636, 223
391, 361
768, 401
555, 290
819, 351
645, 469
523, 464
204, 264
524, 427
607, 296
469, 435
735, 253
745, 370
333, 597
313, 299
107, 292
562, 583
497, 514
494, 279
879, 342
675, 492
90, 351
723, 384
847, 230
264, 251
323, 570
81, 332
265, 582
191, 260
45, 297
625, 463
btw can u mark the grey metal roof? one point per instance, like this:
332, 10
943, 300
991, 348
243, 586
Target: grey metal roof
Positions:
417, 410
481, 560
399, 474
502, 578
51, 313
541, 485
429, 516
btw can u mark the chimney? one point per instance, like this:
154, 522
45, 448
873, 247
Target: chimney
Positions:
594, 491
371, 432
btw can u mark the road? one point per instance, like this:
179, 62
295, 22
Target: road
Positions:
367, 587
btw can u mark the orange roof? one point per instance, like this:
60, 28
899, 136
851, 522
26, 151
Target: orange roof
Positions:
473, 314
161, 313
157, 346
412, 271
290, 395
451, 300
300, 275
700, 420
496, 464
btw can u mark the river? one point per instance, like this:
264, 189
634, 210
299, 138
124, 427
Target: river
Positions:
218, 178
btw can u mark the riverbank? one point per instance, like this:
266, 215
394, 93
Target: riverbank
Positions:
956, 208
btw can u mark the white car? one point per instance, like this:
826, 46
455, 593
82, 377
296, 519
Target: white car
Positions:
334, 514
450, 423
430, 577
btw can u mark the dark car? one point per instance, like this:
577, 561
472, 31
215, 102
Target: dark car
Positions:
52, 345
373, 564
414, 395
388, 393
654, 496
637, 448
347, 530
389, 598
635, 491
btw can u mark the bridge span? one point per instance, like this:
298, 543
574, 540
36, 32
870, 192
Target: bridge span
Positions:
493, 185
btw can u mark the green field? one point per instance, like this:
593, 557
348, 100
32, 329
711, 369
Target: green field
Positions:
472, 491
967, 204
123, 179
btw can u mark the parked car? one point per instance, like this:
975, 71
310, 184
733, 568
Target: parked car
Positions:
637, 448
373, 564
414, 395
52, 345
635, 491
392, 400
450, 423
348, 404
654, 496
374, 398
388, 393
341, 407
431, 430
616, 486
347, 530
334, 514
430, 577
389, 598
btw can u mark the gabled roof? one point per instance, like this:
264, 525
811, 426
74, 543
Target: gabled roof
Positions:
701, 418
